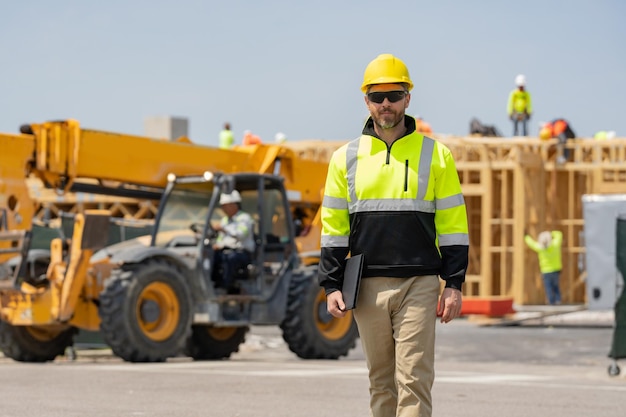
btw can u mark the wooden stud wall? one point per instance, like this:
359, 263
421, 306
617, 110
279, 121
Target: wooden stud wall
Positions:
514, 185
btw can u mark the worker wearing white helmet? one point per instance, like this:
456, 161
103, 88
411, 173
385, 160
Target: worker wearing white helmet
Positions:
235, 241
280, 137
519, 107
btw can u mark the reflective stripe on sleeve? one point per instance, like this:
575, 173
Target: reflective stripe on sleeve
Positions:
328, 241
351, 160
450, 202
334, 202
454, 239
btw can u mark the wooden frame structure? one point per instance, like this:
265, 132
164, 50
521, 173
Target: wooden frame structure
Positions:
515, 185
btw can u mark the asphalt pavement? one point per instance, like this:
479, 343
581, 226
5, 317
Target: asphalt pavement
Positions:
535, 363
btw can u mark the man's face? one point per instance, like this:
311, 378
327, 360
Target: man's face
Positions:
230, 209
386, 114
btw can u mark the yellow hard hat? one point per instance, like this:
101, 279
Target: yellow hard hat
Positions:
545, 133
386, 69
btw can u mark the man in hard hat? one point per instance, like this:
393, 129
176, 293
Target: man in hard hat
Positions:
519, 107
604, 135
250, 139
280, 138
561, 130
394, 196
235, 240
227, 139
548, 248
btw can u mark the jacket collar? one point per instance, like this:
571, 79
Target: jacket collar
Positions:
409, 123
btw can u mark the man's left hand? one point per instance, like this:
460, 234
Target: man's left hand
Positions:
450, 304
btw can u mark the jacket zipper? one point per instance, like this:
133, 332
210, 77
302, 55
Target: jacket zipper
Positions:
406, 175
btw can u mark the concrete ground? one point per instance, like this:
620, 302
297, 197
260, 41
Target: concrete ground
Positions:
542, 363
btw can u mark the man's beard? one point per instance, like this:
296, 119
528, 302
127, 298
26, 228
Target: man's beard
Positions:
388, 120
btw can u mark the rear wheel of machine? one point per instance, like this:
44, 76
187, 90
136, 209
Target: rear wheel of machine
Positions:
309, 330
146, 312
35, 343
210, 343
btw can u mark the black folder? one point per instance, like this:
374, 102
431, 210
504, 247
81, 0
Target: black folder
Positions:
352, 280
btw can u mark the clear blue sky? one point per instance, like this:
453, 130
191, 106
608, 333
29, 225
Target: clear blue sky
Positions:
296, 66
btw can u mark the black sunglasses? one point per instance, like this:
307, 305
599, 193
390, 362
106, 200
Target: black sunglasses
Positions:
392, 96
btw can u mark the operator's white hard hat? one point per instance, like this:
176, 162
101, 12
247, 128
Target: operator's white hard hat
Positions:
233, 197
520, 80
280, 137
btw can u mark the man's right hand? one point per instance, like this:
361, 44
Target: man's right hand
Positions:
335, 305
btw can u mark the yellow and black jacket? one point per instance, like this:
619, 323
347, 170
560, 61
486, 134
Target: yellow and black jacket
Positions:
401, 206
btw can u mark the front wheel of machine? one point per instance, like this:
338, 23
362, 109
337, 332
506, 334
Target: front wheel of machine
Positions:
35, 343
146, 312
211, 343
309, 330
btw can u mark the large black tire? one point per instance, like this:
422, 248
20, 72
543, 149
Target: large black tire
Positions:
146, 312
212, 343
35, 343
309, 330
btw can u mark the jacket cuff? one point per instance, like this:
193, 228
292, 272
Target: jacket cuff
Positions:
328, 290
455, 283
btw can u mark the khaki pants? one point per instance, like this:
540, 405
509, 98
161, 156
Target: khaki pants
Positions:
396, 320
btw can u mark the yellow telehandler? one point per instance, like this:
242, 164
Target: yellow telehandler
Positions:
154, 296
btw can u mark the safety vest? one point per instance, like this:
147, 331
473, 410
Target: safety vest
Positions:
401, 206
519, 102
550, 257
227, 139
238, 232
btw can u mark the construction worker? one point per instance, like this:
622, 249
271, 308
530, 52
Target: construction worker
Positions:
250, 139
227, 139
560, 129
280, 137
548, 248
519, 107
234, 245
604, 135
394, 196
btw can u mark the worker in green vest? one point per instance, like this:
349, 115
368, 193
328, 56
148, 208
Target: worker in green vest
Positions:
227, 139
548, 248
519, 107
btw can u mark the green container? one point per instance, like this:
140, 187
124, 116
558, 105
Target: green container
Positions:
618, 348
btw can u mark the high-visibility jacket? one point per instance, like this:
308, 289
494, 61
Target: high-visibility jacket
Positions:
227, 139
237, 232
559, 127
519, 102
550, 257
400, 206
250, 139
